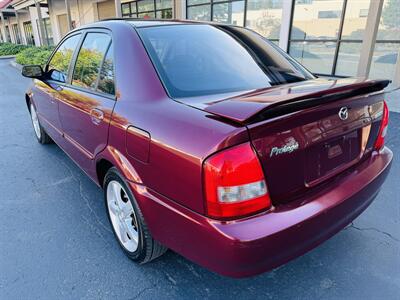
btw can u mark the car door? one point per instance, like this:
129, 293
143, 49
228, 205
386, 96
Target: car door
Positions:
86, 104
45, 93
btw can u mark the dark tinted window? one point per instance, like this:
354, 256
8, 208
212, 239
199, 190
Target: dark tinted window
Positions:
89, 60
106, 80
200, 59
59, 63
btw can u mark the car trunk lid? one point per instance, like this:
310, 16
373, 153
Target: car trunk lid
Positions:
306, 133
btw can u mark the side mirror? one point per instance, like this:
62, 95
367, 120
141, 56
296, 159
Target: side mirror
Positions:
32, 71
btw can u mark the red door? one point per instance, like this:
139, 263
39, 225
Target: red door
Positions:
86, 104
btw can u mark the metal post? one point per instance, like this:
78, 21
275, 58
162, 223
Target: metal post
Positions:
368, 45
69, 19
3, 27
287, 15
118, 9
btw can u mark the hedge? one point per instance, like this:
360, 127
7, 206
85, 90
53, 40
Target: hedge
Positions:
11, 49
34, 56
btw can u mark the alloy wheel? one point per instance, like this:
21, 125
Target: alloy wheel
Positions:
122, 216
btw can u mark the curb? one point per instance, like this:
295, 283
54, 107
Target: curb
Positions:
16, 65
7, 56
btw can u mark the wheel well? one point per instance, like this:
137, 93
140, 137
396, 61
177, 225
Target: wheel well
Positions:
102, 167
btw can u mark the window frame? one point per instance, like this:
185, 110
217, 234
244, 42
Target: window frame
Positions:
71, 67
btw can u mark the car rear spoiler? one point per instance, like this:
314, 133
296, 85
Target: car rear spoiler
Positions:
271, 102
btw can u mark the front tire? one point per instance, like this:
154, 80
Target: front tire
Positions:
127, 220
40, 134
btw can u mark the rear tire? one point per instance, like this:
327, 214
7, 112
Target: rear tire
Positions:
41, 135
127, 220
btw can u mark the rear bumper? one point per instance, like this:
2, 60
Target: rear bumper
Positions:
254, 245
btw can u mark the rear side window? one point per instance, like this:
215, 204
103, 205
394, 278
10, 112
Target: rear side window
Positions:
90, 59
202, 59
106, 80
59, 63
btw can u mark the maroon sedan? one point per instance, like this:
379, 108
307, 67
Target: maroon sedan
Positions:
209, 140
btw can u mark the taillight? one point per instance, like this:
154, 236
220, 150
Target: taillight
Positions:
234, 183
380, 141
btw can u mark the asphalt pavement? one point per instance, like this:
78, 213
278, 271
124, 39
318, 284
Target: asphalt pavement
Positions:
56, 242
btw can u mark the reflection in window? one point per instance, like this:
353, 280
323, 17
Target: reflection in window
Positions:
265, 17
354, 25
229, 13
348, 58
307, 25
89, 60
387, 47
316, 56
199, 13
147, 9
106, 80
59, 63
384, 60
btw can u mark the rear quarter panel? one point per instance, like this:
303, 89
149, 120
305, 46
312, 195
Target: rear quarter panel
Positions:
180, 136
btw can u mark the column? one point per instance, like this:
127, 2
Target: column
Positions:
368, 45
287, 11
118, 9
179, 11
69, 19
3, 27
43, 41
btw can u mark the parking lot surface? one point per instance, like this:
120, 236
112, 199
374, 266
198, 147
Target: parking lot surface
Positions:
56, 242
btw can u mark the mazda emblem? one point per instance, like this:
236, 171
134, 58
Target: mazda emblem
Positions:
343, 113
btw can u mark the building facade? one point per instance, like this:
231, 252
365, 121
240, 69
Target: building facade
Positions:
329, 37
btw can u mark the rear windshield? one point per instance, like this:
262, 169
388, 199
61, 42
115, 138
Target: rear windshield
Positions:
201, 59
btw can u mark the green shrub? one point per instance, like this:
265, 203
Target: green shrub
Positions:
11, 49
34, 56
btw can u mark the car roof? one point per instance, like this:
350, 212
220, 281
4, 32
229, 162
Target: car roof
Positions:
138, 23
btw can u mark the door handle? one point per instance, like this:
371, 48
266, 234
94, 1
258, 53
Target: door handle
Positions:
96, 115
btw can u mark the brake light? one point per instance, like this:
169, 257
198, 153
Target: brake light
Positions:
234, 183
380, 141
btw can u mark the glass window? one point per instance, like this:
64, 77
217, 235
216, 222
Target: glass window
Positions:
194, 2
106, 80
195, 60
126, 9
147, 9
145, 5
89, 60
316, 56
163, 4
389, 25
29, 33
354, 24
200, 13
387, 44
384, 60
229, 13
164, 14
264, 16
313, 21
348, 58
59, 63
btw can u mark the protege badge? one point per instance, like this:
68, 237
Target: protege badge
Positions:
288, 148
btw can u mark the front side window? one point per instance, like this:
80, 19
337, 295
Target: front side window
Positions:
59, 63
201, 59
90, 59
